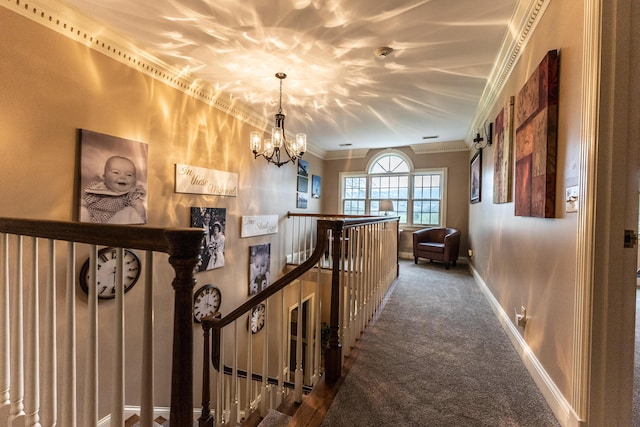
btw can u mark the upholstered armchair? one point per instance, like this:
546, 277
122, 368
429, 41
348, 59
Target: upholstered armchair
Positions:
437, 243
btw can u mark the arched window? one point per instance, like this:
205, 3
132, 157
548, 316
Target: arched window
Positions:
417, 195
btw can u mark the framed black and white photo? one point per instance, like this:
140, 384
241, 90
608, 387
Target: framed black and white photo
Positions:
113, 179
213, 221
259, 268
475, 174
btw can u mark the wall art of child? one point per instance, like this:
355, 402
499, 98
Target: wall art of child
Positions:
117, 198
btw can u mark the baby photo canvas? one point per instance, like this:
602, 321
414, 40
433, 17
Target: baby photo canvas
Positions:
259, 268
113, 179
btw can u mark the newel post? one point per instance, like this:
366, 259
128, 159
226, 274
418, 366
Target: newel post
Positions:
184, 254
333, 353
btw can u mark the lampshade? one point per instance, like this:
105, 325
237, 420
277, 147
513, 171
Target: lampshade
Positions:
386, 205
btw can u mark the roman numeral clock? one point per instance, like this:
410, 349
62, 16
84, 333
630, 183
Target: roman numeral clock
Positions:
106, 277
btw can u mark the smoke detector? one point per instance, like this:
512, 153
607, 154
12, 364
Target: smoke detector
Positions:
383, 52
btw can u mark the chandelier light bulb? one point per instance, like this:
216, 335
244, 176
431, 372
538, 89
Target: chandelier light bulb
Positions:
301, 143
256, 142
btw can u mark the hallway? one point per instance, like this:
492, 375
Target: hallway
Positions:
437, 356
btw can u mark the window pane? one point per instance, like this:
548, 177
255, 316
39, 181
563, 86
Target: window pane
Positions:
389, 164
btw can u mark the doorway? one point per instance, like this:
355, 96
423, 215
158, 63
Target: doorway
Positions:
305, 336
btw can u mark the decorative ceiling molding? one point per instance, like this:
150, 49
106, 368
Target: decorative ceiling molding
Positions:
76, 26
439, 147
346, 154
522, 25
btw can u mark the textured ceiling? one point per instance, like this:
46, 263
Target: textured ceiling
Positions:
337, 91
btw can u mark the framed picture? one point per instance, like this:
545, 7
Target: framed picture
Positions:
503, 154
302, 201
303, 184
303, 167
213, 221
536, 118
113, 179
315, 186
475, 174
259, 268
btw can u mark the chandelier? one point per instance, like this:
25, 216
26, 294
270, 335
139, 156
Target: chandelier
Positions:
271, 149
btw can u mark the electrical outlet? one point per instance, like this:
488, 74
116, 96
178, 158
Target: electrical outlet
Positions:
470, 252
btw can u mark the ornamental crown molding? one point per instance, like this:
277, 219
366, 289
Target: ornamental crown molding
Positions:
80, 28
439, 147
522, 25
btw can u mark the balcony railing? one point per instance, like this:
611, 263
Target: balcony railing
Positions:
54, 343
342, 268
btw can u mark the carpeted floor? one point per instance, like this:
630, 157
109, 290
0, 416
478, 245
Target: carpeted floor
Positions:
437, 356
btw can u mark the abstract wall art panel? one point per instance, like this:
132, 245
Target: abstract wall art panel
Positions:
536, 118
503, 155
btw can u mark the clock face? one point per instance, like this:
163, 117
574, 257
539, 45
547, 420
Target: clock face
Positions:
257, 319
106, 277
206, 301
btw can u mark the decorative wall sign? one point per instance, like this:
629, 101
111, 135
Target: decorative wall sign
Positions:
502, 182
113, 179
196, 180
536, 117
259, 225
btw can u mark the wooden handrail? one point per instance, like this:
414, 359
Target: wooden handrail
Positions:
183, 245
279, 284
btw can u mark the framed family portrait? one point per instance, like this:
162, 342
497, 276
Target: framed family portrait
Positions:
213, 221
475, 175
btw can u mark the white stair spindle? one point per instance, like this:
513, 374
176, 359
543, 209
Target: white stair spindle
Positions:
5, 337
117, 397
16, 413
32, 345
317, 342
68, 411
248, 390
281, 351
50, 351
233, 421
91, 372
299, 374
264, 403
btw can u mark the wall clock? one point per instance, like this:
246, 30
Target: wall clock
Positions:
257, 318
106, 277
206, 301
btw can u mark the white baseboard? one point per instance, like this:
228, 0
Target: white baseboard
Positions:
559, 405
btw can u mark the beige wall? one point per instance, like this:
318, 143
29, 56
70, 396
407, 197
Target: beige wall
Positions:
50, 87
457, 164
531, 261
